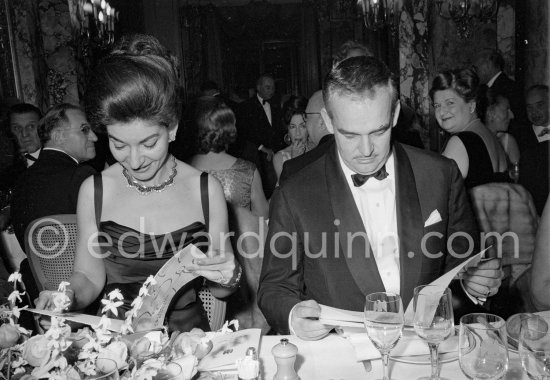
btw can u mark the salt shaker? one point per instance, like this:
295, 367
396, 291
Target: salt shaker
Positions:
285, 356
248, 368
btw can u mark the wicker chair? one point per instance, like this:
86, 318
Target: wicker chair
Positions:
50, 243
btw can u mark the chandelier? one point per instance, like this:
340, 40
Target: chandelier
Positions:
378, 14
97, 19
462, 12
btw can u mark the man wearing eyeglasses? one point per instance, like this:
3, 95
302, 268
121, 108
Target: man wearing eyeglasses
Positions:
51, 185
318, 134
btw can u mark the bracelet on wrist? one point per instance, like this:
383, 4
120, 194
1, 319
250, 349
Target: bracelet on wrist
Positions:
235, 280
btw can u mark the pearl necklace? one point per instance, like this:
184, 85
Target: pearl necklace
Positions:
146, 190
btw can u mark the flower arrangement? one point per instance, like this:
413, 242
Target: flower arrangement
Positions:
59, 354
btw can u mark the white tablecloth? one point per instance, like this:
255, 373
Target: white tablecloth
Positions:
333, 358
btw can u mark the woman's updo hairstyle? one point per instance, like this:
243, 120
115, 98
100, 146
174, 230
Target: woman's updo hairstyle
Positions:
137, 80
464, 82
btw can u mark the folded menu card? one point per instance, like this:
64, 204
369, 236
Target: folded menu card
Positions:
227, 348
409, 345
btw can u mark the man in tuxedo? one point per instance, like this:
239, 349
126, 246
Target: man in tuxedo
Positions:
318, 134
23, 119
51, 185
328, 225
534, 169
260, 131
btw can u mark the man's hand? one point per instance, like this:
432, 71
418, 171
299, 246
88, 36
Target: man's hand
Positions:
268, 152
304, 320
483, 280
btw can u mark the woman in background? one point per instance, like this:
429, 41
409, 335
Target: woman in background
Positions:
297, 138
240, 180
474, 148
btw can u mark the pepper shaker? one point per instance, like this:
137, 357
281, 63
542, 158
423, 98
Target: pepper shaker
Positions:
285, 357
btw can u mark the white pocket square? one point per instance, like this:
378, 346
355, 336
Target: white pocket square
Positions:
433, 218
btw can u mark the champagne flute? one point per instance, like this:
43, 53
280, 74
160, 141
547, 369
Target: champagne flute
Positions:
534, 346
482, 346
384, 323
433, 319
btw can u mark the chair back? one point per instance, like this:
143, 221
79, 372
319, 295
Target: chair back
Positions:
506, 214
50, 244
215, 309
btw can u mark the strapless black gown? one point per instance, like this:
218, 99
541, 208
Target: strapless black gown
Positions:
127, 267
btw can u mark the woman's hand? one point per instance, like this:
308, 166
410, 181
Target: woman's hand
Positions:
219, 267
298, 147
50, 300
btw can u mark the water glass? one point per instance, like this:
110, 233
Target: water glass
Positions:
534, 346
384, 323
433, 319
482, 346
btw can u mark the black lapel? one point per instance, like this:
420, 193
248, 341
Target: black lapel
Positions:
410, 226
357, 252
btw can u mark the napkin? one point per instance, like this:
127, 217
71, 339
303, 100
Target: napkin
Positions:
409, 345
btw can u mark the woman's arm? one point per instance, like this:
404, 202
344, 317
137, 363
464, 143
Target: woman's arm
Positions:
512, 149
221, 266
540, 268
88, 276
278, 163
456, 151
260, 207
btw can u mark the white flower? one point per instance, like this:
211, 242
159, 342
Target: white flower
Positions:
143, 292
104, 323
63, 286
150, 281
14, 277
111, 306
17, 310
61, 301
15, 296
115, 294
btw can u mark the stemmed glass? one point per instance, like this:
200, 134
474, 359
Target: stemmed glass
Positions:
534, 346
433, 319
384, 323
482, 346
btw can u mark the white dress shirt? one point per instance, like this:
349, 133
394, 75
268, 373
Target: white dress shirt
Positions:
35, 155
493, 79
540, 132
375, 201
267, 108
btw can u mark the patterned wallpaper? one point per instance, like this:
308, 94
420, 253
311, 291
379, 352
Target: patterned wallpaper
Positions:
536, 51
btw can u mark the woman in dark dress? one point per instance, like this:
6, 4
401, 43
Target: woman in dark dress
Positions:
136, 214
474, 148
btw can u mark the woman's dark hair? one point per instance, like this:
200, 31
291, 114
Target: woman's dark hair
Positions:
464, 82
488, 100
295, 105
133, 84
215, 123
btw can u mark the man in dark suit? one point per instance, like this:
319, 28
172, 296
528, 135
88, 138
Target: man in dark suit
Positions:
336, 236
51, 185
534, 162
318, 134
260, 132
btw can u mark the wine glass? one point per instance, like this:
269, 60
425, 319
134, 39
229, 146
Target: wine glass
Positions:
534, 346
433, 319
483, 349
384, 323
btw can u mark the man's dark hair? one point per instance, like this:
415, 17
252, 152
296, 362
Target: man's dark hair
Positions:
55, 117
23, 108
496, 59
538, 87
359, 76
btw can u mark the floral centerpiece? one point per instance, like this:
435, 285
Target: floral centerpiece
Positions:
60, 354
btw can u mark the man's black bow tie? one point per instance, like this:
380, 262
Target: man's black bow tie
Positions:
360, 179
29, 157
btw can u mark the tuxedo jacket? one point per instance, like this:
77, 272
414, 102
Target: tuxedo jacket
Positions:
321, 261
254, 128
50, 186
